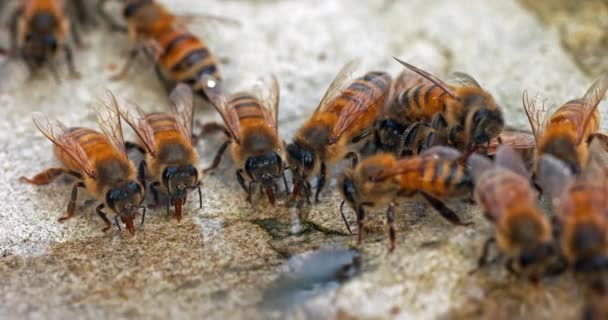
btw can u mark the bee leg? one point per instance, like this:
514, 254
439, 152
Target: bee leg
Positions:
76, 35
354, 158
407, 138
218, 156
125, 69
70, 58
360, 221
103, 217
439, 122
241, 179
321, 181
49, 175
285, 182
307, 192
391, 229
14, 30
483, 259
154, 188
167, 84
132, 145
361, 136
114, 26
117, 223
141, 173
443, 210
510, 266
429, 141
72, 203
250, 191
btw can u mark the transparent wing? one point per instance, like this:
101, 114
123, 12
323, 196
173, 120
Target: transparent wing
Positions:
407, 79
518, 140
220, 102
268, 93
182, 104
537, 114
464, 79
442, 152
555, 178
478, 165
57, 133
591, 101
108, 117
429, 77
340, 82
141, 128
508, 158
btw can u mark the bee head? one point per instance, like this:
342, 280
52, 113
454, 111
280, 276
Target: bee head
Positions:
125, 201
389, 134
264, 168
178, 181
536, 254
40, 42
302, 161
486, 125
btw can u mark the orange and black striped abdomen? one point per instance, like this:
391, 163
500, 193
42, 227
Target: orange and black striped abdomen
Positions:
439, 177
502, 190
185, 58
96, 146
418, 103
164, 127
256, 134
368, 92
572, 111
172, 147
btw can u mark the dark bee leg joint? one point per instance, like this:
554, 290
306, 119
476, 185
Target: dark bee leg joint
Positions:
360, 221
391, 229
72, 203
218, 156
70, 58
483, 259
132, 145
154, 189
141, 173
125, 69
321, 182
443, 210
354, 158
48, 176
114, 26
103, 217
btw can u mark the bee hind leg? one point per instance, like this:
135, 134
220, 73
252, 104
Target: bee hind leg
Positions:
132, 145
49, 175
321, 182
104, 217
444, 211
72, 203
391, 229
70, 58
218, 156
483, 259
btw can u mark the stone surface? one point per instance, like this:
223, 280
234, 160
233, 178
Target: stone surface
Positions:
220, 260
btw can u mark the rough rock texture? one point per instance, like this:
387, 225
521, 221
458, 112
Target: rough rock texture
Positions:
218, 262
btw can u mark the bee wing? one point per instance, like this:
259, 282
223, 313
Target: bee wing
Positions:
537, 115
478, 165
268, 93
405, 80
464, 79
429, 77
591, 101
141, 128
340, 82
555, 178
59, 135
518, 140
182, 105
220, 102
598, 156
508, 158
108, 117
442, 152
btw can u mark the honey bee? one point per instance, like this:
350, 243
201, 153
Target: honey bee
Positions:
470, 112
166, 139
343, 119
522, 142
580, 203
39, 31
179, 55
523, 231
99, 161
251, 127
566, 133
383, 180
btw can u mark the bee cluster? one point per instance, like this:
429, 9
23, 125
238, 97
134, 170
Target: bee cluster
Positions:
412, 136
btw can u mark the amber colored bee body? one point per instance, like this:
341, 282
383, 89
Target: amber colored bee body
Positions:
39, 31
523, 231
383, 180
342, 121
180, 56
251, 125
580, 203
567, 132
100, 162
466, 114
166, 139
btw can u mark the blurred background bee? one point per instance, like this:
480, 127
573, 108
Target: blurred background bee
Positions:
523, 231
167, 141
179, 55
580, 203
565, 134
341, 124
470, 112
251, 127
39, 31
99, 161
383, 180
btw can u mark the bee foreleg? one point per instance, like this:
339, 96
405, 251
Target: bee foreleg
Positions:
360, 221
154, 189
321, 181
70, 58
241, 179
114, 26
49, 175
483, 259
72, 203
103, 217
391, 229
218, 156
443, 210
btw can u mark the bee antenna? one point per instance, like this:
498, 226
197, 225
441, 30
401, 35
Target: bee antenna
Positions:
344, 217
